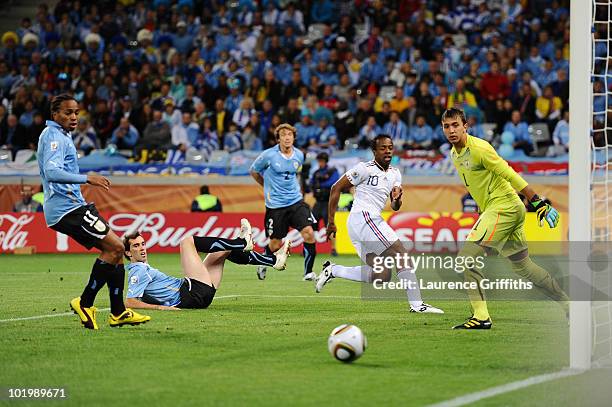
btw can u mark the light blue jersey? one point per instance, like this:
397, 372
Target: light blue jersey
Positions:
59, 171
153, 286
281, 185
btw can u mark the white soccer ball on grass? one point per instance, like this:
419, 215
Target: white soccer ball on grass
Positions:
347, 343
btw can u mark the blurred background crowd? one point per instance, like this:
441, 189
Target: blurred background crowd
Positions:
160, 78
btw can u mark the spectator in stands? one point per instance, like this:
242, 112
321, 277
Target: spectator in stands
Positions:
242, 115
16, 135
250, 139
232, 141
102, 120
325, 136
420, 136
35, 129
306, 131
186, 134
85, 137
399, 103
396, 128
520, 131
171, 115
462, 98
156, 136
525, 103
476, 129
221, 118
384, 115
561, 86
372, 70
493, 87
206, 202
125, 136
560, 137
367, 133
548, 108
27, 204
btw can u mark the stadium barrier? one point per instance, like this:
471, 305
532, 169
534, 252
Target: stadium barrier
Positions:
249, 197
433, 231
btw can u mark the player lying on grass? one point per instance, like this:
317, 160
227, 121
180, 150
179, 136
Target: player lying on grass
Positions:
500, 227
150, 288
370, 234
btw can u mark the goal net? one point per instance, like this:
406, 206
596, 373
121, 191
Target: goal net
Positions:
591, 321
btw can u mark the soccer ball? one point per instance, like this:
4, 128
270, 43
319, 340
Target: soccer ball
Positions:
347, 343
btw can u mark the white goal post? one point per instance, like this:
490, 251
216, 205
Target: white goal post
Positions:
580, 107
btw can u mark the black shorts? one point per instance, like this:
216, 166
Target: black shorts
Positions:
195, 294
85, 225
278, 220
319, 210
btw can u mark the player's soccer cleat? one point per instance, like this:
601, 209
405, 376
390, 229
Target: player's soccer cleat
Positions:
246, 233
86, 315
426, 309
128, 317
324, 277
261, 272
281, 257
473, 323
309, 276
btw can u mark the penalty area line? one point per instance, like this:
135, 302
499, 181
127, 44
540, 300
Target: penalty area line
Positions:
221, 297
506, 388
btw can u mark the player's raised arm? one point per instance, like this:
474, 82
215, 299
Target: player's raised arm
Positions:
334, 196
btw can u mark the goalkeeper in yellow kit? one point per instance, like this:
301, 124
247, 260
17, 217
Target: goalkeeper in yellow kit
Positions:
500, 227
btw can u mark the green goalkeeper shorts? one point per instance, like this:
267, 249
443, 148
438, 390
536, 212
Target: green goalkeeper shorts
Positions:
501, 228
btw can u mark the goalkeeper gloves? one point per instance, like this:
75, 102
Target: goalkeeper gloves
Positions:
544, 212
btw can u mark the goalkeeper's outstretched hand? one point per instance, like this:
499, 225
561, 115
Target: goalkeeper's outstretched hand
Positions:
545, 212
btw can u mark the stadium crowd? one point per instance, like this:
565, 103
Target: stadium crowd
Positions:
158, 76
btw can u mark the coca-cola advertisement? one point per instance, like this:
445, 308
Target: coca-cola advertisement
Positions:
163, 231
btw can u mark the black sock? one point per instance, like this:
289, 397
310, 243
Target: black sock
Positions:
116, 282
97, 279
310, 252
268, 250
207, 244
253, 258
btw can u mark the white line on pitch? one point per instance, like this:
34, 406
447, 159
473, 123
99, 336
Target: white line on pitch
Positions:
506, 388
64, 314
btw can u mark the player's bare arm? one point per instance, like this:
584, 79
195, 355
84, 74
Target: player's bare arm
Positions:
334, 196
257, 177
98, 181
396, 198
136, 303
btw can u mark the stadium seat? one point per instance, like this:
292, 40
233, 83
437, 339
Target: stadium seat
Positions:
387, 93
489, 131
361, 31
218, 156
5, 156
315, 31
540, 137
460, 40
23, 156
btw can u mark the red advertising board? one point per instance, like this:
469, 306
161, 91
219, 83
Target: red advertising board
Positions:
163, 231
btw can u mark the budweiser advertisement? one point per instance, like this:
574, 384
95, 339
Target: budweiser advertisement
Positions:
163, 231
422, 232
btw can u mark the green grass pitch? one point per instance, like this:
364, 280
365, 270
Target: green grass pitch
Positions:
261, 343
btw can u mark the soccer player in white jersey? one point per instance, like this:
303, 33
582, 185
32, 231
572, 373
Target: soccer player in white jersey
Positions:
371, 236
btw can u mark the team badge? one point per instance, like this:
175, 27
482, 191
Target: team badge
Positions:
295, 165
134, 280
54, 145
99, 226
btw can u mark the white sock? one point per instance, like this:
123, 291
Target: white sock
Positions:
414, 295
357, 273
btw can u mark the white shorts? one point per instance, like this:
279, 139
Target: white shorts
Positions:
369, 233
